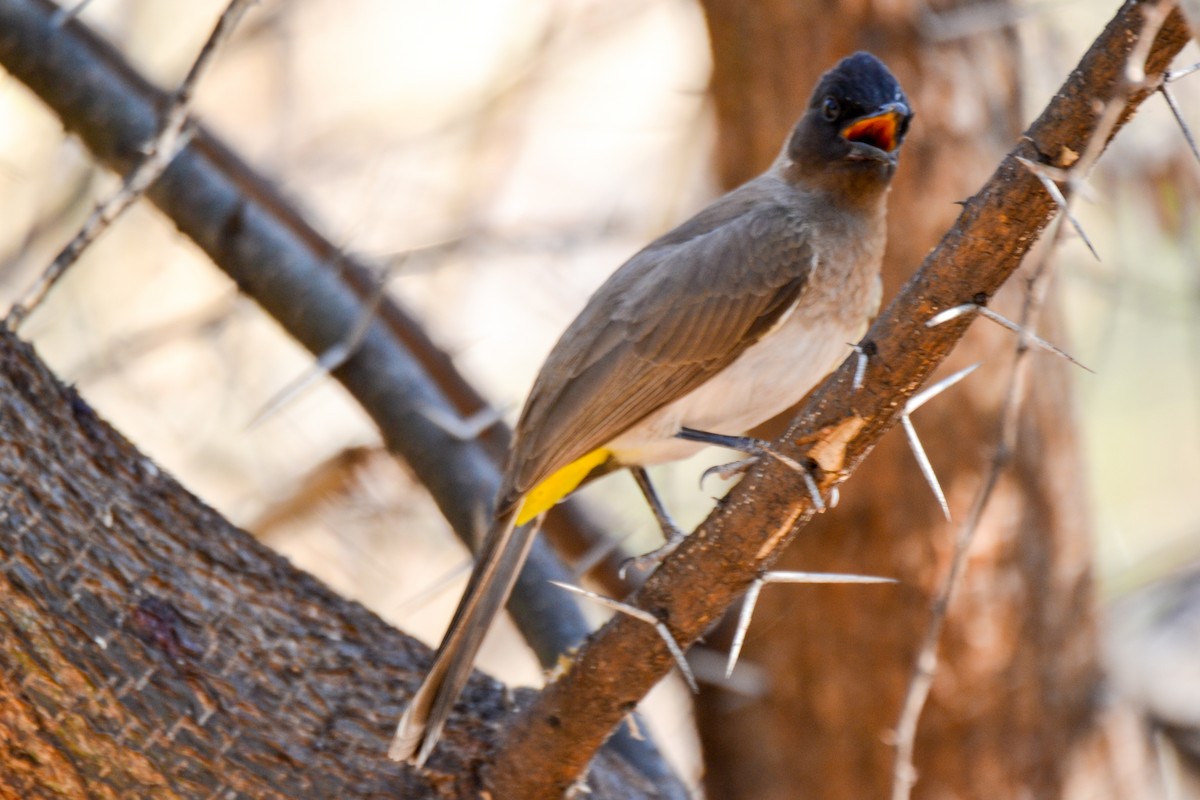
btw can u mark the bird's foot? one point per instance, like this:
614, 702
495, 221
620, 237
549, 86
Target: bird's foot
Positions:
647, 562
730, 470
756, 450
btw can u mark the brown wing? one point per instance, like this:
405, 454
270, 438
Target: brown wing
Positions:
672, 316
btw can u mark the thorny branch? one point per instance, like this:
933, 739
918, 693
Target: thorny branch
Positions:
550, 744
171, 137
1136, 78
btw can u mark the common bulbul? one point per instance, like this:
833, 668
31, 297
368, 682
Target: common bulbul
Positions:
713, 328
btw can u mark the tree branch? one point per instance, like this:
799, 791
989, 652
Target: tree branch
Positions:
150, 649
157, 154
551, 742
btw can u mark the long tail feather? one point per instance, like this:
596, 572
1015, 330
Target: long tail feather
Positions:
504, 552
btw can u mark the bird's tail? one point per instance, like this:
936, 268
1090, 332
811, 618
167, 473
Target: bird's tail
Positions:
504, 552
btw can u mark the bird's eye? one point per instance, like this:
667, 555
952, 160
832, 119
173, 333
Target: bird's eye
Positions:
830, 108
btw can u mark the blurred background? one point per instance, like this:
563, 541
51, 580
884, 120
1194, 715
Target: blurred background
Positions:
502, 157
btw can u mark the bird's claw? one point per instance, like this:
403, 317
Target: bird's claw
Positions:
648, 561
757, 450
730, 470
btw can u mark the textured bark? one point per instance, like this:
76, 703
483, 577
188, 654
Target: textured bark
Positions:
150, 649
147, 648
1018, 669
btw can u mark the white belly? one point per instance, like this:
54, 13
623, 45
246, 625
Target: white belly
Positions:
768, 378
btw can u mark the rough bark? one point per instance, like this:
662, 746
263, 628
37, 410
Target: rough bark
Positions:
150, 649
1018, 671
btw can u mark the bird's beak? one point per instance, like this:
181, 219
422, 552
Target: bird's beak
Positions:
882, 130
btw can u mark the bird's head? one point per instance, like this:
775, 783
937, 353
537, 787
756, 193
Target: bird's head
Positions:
851, 132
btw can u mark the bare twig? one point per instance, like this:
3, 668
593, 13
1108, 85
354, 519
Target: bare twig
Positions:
159, 152
904, 774
76, 196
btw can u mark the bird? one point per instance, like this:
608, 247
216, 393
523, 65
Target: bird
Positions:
715, 327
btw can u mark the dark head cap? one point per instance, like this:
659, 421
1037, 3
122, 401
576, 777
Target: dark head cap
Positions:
854, 125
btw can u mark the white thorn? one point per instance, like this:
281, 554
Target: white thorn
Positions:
680, 659
635, 730
1183, 126
1175, 75
664, 633
951, 313
292, 390
923, 462
739, 635
462, 429
782, 576
1039, 171
787, 576
788, 461
1030, 337
860, 367
1005, 322
925, 395
814, 491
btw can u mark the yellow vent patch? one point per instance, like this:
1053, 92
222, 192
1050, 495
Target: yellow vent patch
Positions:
543, 497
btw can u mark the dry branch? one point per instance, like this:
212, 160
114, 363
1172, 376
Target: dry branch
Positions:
553, 740
150, 649
157, 153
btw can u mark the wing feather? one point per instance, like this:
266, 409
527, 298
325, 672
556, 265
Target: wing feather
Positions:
671, 317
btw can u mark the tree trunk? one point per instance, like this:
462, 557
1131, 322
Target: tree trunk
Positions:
150, 649
1014, 702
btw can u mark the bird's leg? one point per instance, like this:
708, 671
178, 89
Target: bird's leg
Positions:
755, 449
671, 532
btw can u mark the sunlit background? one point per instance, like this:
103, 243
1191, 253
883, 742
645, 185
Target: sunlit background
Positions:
521, 150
